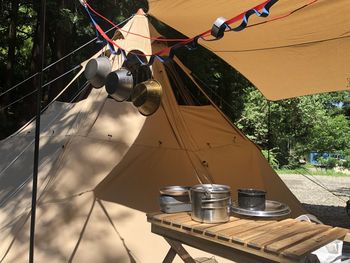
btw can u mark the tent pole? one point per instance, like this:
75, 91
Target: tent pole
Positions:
37, 131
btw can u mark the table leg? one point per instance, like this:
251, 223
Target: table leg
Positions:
180, 250
170, 256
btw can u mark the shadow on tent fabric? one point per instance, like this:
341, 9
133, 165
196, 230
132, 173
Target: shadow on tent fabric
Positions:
130, 254
17, 229
82, 232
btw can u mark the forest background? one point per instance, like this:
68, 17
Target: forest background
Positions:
287, 131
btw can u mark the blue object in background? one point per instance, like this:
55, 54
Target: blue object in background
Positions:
315, 155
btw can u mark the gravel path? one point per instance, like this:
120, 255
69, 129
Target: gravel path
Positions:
328, 207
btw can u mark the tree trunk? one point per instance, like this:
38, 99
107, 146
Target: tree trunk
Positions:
11, 59
61, 41
29, 104
12, 40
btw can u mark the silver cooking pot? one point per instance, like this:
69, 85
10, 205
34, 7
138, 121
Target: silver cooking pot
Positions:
96, 71
211, 203
119, 84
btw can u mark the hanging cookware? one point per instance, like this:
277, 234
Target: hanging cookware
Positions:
119, 84
146, 97
96, 71
211, 203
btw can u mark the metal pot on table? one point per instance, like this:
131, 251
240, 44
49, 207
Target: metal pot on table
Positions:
211, 203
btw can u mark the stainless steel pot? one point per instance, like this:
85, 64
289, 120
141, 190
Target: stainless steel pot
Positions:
119, 84
174, 199
211, 203
252, 199
97, 70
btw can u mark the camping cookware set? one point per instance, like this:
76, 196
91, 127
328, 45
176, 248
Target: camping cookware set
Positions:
132, 82
211, 203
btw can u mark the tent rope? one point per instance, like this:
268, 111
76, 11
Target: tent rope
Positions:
15, 236
16, 158
18, 100
132, 33
63, 58
190, 43
21, 186
48, 105
50, 179
15, 191
320, 184
45, 85
81, 234
130, 253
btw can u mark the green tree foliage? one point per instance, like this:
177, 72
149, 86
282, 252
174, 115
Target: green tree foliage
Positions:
331, 134
297, 126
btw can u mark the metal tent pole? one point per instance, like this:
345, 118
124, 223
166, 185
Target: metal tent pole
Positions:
37, 131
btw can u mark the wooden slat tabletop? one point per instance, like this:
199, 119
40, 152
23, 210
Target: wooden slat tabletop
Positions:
286, 239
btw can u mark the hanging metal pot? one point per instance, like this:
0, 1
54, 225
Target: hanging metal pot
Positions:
147, 96
119, 84
97, 70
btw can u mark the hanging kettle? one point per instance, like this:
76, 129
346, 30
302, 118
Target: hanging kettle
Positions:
146, 97
96, 71
119, 84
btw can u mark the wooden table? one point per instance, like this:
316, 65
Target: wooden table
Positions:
244, 240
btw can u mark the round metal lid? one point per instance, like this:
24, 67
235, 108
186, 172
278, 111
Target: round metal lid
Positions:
175, 190
251, 192
272, 209
211, 188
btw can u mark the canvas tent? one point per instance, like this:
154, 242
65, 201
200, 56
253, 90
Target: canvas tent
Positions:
302, 49
101, 167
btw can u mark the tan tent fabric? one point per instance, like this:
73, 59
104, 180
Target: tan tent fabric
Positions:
204, 145
101, 167
304, 53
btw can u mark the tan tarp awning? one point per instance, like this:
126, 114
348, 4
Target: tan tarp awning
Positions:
304, 53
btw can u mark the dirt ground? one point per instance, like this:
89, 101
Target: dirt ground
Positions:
323, 196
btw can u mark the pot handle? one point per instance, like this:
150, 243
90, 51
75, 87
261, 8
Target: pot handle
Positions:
215, 200
214, 207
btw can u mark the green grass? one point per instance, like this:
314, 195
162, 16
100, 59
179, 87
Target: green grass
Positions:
307, 171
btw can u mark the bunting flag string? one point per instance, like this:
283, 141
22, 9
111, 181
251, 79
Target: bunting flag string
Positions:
132, 33
265, 13
261, 10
